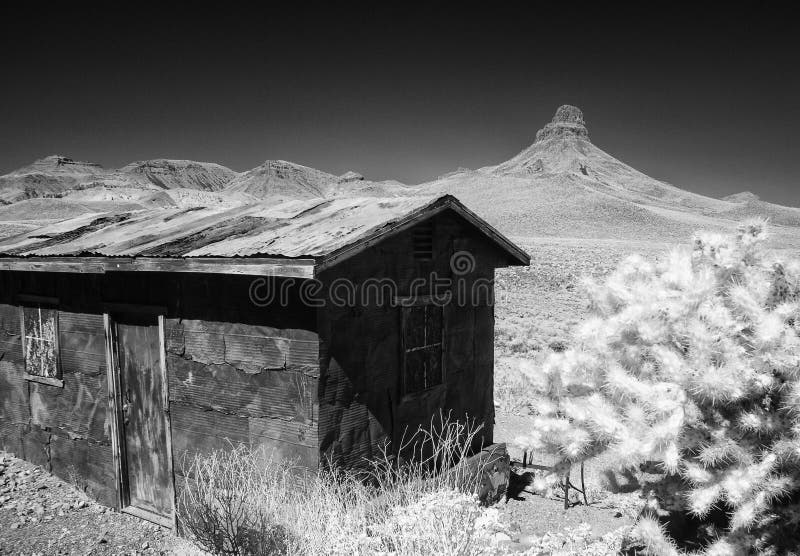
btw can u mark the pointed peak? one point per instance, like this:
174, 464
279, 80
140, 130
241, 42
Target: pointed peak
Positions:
567, 122
350, 176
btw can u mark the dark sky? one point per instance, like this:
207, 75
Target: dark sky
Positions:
708, 102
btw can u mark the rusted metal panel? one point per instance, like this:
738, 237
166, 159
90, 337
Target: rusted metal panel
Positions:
87, 462
11, 438
78, 409
10, 334
201, 431
285, 394
333, 230
82, 343
9, 320
251, 348
14, 404
36, 447
293, 441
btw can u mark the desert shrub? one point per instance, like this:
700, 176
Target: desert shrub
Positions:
693, 363
516, 336
446, 522
510, 388
240, 501
231, 502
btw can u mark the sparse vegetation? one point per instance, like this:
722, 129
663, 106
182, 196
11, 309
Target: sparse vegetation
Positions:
242, 501
694, 364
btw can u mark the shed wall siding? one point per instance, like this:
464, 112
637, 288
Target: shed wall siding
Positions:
237, 372
362, 405
65, 430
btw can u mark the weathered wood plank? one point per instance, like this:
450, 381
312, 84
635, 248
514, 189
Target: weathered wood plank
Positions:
299, 268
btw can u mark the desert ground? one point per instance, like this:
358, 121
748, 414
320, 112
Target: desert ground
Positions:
577, 210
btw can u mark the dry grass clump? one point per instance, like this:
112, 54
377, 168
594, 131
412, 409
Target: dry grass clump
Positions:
242, 501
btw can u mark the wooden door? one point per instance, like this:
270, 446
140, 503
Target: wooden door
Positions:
144, 447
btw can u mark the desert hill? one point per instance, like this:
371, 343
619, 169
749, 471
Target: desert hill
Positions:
282, 180
186, 174
562, 185
58, 176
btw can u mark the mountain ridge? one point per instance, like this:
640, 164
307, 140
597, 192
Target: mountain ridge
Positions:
560, 185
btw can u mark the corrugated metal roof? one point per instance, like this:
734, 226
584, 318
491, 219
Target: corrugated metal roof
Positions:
303, 228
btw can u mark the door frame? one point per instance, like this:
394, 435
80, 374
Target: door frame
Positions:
115, 410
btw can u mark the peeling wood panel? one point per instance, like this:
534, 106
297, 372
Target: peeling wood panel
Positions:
286, 394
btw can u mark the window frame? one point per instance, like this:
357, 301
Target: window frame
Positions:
26, 301
406, 304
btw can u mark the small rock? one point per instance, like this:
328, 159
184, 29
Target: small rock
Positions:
618, 514
501, 537
145, 545
15, 525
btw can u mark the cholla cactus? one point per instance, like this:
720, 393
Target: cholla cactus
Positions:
693, 363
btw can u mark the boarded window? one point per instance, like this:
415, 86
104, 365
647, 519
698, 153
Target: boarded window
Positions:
422, 236
422, 344
40, 341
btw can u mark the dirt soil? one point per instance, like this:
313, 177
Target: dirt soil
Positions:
42, 515
614, 501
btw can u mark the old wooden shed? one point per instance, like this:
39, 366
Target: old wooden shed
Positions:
312, 328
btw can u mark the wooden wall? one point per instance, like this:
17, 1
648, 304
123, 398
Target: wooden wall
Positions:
237, 372
361, 401
65, 430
